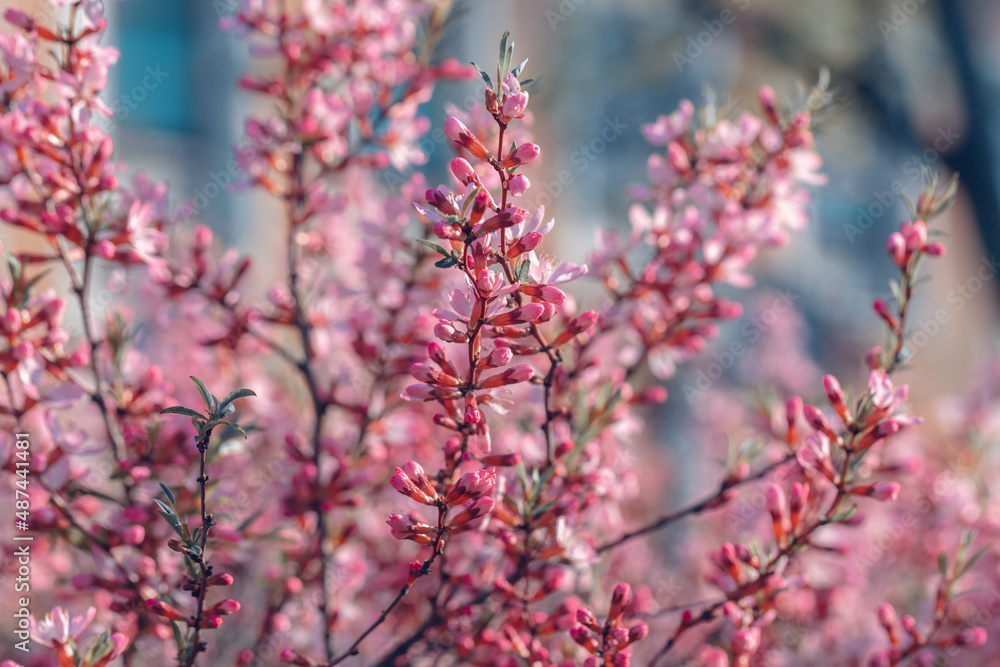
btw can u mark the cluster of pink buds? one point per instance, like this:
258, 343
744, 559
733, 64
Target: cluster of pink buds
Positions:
607, 642
702, 218
474, 490
61, 161
510, 292
211, 617
918, 643
32, 331
910, 240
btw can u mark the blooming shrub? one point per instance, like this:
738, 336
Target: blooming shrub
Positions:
426, 451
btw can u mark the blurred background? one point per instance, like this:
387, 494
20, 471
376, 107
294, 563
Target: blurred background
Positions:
916, 82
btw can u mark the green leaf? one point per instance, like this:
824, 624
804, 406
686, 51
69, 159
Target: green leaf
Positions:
969, 563
503, 52
237, 428
167, 492
178, 636
435, 246
522, 270
233, 395
446, 262
517, 70
249, 520
484, 75
165, 508
840, 517
943, 564
206, 395
181, 410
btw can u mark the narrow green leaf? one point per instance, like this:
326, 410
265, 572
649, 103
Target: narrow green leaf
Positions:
206, 395
181, 410
503, 50
165, 508
178, 636
943, 564
446, 262
517, 70
484, 75
435, 246
167, 492
233, 395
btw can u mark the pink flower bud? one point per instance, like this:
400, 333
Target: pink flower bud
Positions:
577, 325
133, 535
203, 236
161, 608
408, 528
502, 460
20, 19
448, 333
971, 637
515, 106
497, 358
619, 601
518, 185
481, 507
224, 608
472, 485
873, 359
915, 235
836, 397
885, 492
768, 104
441, 202
506, 218
11, 322
526, 313
463, 171
818, 420
887, 617
777, 506
935, 249
448, 231
526, 243
515, 375
524, 154
104, 249
402, 483
896, 246
583, 637
546, 293
745, 642
463, 136
881, 308
637, 632
678, 158
221, 579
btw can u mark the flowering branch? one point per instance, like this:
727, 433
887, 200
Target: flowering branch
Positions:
192, 544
